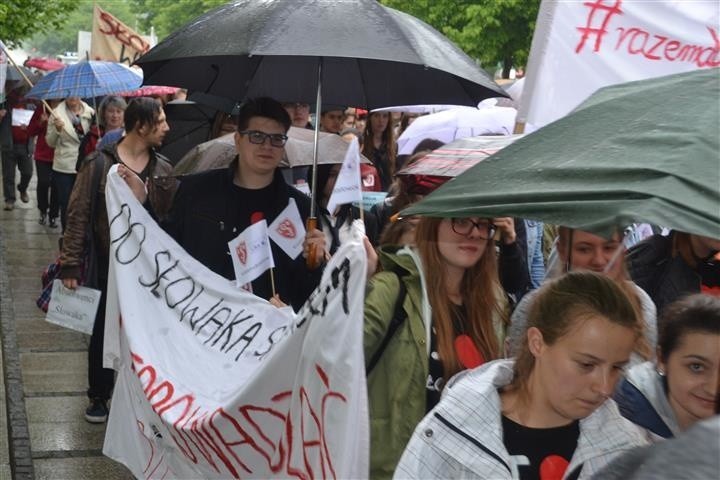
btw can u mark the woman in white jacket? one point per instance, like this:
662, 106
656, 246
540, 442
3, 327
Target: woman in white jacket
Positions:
70, 123
547, 414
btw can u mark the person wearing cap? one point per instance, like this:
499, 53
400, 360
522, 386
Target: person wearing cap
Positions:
331, 118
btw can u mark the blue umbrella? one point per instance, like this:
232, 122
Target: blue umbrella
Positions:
85, 80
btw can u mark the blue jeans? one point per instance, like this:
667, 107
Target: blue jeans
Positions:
63, 184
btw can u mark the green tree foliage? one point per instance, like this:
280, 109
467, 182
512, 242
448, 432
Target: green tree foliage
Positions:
64, 39
489, 31
169, 15
21, 19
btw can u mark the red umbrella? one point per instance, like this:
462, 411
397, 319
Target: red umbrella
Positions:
149, 91
47, 64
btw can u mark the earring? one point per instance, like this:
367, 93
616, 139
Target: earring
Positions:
660, 372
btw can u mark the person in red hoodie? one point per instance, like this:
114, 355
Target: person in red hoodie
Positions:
47, 200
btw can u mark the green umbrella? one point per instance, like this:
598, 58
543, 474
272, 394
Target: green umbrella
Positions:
645, 151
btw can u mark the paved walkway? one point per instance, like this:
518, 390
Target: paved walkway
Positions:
43, 434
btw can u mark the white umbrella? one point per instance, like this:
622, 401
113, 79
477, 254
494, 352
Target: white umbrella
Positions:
415, 108
459, 122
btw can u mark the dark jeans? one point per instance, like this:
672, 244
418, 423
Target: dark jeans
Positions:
47, 197
63, 184
17, 157
100, 380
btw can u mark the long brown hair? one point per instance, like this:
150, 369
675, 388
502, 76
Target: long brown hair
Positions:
642, 347
561, 303
479, 289
388, 138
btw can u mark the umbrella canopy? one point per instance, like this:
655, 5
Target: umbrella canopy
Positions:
646, 151
47, 64
150, 90
372, 56
190, 124
416, 108
454, 158
14, 75
456, 123
86, 79
219, 152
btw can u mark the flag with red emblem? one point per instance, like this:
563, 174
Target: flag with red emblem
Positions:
251, 253
288, 231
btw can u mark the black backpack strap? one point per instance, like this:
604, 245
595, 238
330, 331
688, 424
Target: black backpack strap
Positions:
398, 318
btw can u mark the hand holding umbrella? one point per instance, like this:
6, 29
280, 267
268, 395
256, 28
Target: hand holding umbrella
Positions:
314, 246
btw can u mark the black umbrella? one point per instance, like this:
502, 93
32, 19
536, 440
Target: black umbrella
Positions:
190, 124
372, 56
356, 52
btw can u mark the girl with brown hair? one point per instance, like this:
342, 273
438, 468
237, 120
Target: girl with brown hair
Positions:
379, 146
435, 310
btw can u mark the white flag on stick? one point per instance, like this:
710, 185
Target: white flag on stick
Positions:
347, 186
288, 231
251, 253
579, 47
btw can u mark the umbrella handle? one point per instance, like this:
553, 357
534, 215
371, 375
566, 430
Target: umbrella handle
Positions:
312, 261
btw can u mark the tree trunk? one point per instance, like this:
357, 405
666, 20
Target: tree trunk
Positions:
507, 65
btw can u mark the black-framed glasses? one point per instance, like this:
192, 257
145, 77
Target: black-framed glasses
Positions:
464, 226
258, 138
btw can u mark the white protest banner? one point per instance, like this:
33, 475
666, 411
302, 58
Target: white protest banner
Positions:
579, 47
114, 41
74, 309
347, 185
214, 382
251, 253
288, 231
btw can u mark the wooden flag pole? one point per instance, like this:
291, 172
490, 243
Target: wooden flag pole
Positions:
47, 106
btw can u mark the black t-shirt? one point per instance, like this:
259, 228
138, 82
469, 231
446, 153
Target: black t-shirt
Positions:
436, 380
549, 450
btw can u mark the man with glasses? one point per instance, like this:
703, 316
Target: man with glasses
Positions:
213, 207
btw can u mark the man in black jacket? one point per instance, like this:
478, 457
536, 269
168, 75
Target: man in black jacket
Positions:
213, 207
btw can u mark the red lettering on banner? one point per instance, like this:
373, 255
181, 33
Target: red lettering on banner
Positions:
231, 440
638, 41
591, 25
117, 30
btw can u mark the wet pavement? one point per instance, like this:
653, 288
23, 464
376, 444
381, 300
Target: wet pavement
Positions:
43, 433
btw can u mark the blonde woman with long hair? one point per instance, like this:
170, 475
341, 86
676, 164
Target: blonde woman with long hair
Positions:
435, 310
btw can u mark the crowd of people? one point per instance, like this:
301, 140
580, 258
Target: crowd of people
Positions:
490, 351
